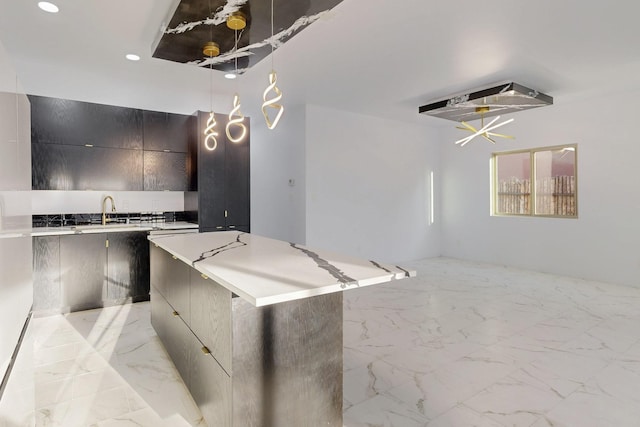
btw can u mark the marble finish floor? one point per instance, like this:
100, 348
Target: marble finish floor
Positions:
463, 344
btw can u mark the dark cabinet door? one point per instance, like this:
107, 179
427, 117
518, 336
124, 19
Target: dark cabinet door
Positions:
223, 180
237, 198
167, 131
62, 121
128, 267
69, 167
211, 178
83, 268
46, 273
166, 171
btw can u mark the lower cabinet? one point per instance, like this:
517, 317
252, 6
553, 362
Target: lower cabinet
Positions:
211, 317
82, 271
278, 365
209, 384
127, 267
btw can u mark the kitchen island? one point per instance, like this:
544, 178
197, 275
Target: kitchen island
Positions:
254, 325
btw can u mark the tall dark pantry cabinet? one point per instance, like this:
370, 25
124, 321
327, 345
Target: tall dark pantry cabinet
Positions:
223, 200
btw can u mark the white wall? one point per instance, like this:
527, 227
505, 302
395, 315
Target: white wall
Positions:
277, 156
603, 243
368, 186
16, 286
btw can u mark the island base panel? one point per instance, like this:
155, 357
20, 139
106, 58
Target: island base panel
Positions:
287, 363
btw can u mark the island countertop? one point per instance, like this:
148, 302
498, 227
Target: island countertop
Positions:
266, 271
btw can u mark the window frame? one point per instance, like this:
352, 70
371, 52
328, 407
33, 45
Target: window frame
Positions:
532, 179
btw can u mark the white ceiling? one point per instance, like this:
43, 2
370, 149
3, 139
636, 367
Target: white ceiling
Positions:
377, 57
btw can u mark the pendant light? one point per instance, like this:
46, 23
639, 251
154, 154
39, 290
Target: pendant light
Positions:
211, 49
236, 21
273, 78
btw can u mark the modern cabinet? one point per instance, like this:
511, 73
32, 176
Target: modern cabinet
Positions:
83, 268
47, 298
223, 180
167, 132
166, 171
63, 121
211, 317
203, 361
71, 167
84, 271
127, 266
85, 146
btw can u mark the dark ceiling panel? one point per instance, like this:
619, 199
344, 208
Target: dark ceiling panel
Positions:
196, 22
493, 101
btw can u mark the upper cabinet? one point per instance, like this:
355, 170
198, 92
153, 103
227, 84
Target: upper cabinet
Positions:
223, 180
86, 146
62, 121
167, 132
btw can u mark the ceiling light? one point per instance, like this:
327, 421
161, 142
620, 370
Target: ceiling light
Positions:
211, 49
230, 76
132, 57
236, 118
484, 130
48, 7
274, 102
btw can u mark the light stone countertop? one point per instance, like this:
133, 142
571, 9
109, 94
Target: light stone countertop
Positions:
266, 271
110, 228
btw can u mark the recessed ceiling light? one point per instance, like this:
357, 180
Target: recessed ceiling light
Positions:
48, 7
132, 57
230, 76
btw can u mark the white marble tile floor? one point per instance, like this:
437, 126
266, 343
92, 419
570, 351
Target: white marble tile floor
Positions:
463, 344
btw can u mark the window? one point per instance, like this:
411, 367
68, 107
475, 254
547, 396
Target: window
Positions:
553, 172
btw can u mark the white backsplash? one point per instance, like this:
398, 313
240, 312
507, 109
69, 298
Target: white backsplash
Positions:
57, 202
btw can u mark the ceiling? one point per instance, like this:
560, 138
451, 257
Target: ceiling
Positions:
195, 23
377, 57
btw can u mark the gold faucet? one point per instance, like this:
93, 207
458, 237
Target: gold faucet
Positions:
104, 205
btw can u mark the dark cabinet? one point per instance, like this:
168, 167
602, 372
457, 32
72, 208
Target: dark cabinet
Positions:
223, 180
166, 171
63, 121
46, 274
83, 271
167, 132
85, 146
211, 317
196, 358
71, 167
209, 385
83, 268
127, 267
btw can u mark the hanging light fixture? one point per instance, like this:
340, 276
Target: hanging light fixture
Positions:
211, 49
236, 22
273, 78
485, 130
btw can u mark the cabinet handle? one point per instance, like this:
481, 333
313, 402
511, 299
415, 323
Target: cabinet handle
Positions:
174, 257
232, 226
176, 314
205, 350
204, 276
219, 227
